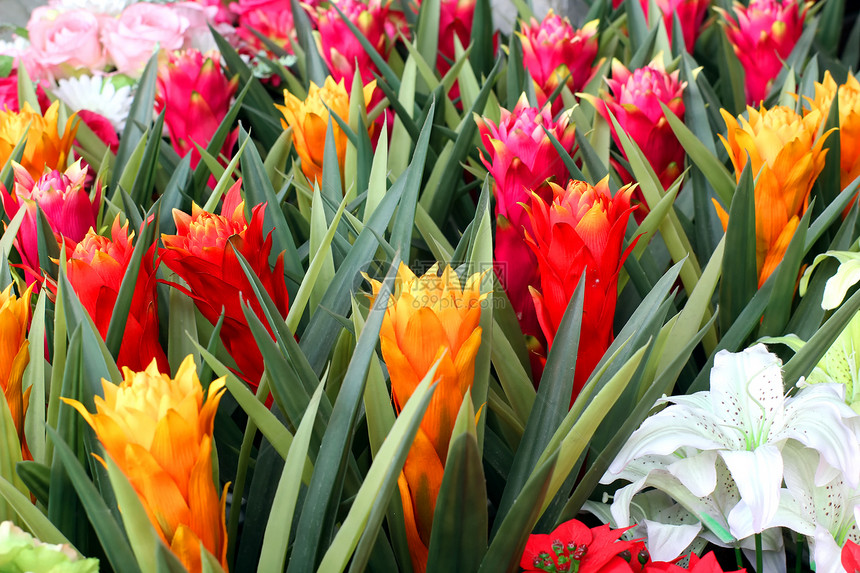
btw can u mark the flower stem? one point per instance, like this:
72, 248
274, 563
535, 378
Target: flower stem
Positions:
797, 563
739, 557
758, 552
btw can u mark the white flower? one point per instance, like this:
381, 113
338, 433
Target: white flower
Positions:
668, 528
15, 47
96, 94
825, 510
744, 421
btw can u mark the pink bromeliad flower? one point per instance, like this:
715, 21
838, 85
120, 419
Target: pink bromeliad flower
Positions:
553, 51
341, 49
634, 99
63, 199
521, 159
195, 94
763, 35
691, 14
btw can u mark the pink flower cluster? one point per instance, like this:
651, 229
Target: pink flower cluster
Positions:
66, 42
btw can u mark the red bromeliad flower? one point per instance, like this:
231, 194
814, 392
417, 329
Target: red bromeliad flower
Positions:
691, 14
341, 49
581, 231
65, 203
553, 51
851, 556
521, 158
96, 267
634, 100
573, 546
707, 564
195, 94
201, 253
763, 36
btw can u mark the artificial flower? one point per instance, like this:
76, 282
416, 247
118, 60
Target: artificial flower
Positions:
691, 14
271, 18
573, 546
634, 99
110, 98
95, 268
14, 357
744, 420
763, 35
63, 199
158, 431
707, 564
850, 556
63, 43
310, 118
580, 232
20, 551
826, 507
849, 121
46, 147
429, 319
553, 52
342, 51
201, 253
195, 95
786, 158
521, 159
131, 38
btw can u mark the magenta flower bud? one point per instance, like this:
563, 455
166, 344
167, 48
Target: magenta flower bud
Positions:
63, 199
341, 49
763, 35
552, 49
196, 95
634, 99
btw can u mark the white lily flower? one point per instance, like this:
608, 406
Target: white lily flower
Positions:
826, 513
744, 421
97, 94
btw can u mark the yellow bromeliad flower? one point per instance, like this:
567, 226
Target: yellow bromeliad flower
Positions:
429, 318
159, 433
786, 159
849, 121
309, 120
46, 147
14, 356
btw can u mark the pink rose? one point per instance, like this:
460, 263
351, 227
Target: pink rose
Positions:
130, 39
62, 42
199, 16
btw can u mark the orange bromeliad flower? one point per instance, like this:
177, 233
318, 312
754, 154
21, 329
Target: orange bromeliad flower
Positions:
14, 356
309, 120
45, 147
159, 433
430, 318
786, 159
849, 121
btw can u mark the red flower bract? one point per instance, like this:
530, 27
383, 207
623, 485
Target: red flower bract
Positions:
851, 556
582, 231
95, 269
201, 253
595, 549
